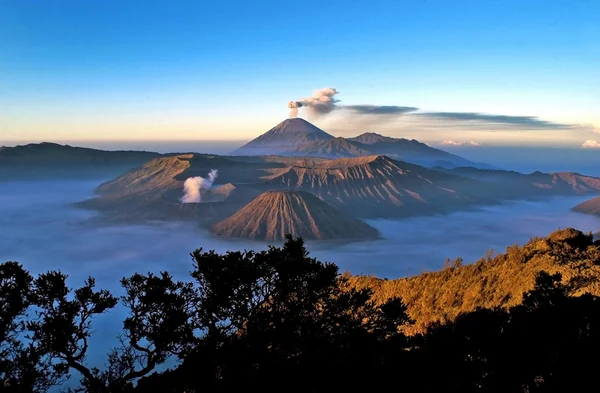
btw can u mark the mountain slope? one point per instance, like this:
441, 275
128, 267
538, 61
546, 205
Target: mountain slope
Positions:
411, 151
331, 148
591, 206
153, 191
371, 186
372, 138
284, 137
53, 161
538, 183
498, 281
273, 214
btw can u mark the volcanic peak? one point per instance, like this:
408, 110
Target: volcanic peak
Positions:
273, 214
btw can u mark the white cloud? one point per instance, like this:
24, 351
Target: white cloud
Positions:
589, 127
591, 144
449, 142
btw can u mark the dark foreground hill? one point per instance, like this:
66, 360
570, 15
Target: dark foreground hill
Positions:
53, 161
274, 214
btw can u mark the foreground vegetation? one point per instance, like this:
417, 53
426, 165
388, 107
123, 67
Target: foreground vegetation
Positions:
494, 280
524, 321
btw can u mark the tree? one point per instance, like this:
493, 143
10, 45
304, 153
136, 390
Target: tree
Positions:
24, 365
280, 315
46, 328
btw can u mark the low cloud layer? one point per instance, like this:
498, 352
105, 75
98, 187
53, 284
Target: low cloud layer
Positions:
449, 142
591, 144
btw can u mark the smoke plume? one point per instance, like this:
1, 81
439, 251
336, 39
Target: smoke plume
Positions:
193, 185
321, 102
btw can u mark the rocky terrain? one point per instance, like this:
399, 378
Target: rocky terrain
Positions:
273, 214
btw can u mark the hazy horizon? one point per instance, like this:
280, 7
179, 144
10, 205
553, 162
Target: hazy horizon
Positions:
520, 159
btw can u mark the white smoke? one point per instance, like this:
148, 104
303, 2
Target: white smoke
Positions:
321, 102
193, 185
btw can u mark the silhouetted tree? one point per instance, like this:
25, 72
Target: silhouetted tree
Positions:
24, 365
279, 315
279, 319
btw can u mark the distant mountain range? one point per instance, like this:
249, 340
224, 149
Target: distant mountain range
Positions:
51, 161
296, 137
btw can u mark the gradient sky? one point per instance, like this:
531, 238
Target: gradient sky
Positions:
76, 70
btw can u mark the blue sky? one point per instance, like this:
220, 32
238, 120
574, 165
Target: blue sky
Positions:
179, 70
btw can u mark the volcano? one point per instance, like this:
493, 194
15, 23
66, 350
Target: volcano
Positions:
285, 136
273, 214
298, 137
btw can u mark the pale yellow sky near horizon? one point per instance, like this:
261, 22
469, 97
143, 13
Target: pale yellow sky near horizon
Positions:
167, 128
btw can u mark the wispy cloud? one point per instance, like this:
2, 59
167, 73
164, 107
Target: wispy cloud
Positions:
453, 128
378, 109
591, 144
483, 120
449, 142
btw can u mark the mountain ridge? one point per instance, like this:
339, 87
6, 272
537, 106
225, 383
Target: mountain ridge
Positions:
52, 160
